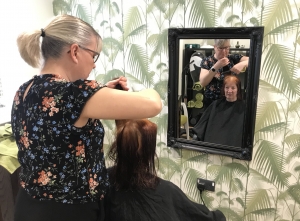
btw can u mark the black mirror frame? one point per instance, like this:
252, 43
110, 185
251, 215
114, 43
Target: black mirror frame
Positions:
255, 34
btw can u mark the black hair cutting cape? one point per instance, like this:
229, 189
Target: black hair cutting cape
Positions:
222, 123
165, 203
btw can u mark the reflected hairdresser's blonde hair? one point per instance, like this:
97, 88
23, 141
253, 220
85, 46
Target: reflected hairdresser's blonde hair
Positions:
61, 32
221, 42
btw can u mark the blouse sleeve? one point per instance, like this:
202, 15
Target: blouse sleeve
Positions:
235, 58
205, 64
79, 93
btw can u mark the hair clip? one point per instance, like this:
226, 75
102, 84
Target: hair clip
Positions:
43, 34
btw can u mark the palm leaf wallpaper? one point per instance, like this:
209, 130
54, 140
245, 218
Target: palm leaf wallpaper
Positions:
136, 46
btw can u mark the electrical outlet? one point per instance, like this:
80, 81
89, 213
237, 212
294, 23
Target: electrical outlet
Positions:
203, 184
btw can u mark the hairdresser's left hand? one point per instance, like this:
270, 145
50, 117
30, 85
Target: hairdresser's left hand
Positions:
120, 80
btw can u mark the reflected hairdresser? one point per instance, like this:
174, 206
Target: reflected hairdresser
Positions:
214, 67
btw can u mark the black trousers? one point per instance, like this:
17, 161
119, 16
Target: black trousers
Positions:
29, 209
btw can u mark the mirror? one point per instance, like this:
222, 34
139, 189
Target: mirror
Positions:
190, 110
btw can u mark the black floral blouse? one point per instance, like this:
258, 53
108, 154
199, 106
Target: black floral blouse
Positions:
213, 89
59, 161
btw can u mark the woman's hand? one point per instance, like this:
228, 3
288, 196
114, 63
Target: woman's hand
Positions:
122, 81
221, 63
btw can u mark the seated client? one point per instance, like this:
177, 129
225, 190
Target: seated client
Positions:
136, 192
222, 121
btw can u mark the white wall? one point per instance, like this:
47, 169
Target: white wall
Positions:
17, 16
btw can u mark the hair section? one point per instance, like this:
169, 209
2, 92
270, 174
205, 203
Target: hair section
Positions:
134, 153
237, 81
221, 42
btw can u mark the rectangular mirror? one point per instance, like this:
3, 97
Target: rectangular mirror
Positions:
204, 113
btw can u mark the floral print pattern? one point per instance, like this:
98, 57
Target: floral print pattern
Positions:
213, 89
59, 161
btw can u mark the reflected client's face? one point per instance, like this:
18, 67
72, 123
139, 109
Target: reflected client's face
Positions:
231, 90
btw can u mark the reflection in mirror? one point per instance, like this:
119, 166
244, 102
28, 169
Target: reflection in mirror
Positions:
214, 73
222, 121
206, 64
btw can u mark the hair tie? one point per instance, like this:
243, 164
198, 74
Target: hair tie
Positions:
43, 32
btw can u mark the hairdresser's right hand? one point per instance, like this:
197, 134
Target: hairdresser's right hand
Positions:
121, 81
221, 63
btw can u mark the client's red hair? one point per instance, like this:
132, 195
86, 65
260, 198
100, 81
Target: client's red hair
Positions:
237, 82
134, 154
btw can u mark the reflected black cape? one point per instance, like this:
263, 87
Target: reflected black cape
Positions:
165, 203
222, 123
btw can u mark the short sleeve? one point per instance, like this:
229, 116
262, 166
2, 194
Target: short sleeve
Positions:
79, 92
235, 58
205, 63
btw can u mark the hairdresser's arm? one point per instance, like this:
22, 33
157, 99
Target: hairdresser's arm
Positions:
118, 104
241, 66
207, 75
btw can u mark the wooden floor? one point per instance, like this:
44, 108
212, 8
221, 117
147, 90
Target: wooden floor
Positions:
9, 186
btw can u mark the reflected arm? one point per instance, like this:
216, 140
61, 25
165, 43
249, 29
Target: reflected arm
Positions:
245, 58
206, 76
239, 67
